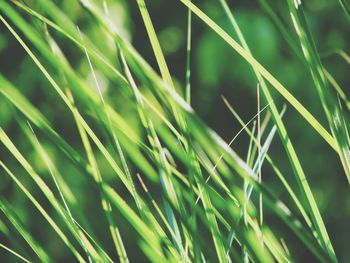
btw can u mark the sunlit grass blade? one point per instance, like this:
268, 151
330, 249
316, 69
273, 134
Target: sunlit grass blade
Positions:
54, 84
64, 189
70, 31
50, 168
244, 171
229, 145
115, 139
122, 118
282, 210
155, 43
34, 115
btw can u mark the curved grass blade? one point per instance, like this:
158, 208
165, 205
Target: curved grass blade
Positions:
71, 108
159, 154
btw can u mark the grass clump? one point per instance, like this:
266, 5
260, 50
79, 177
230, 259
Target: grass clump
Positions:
110, 160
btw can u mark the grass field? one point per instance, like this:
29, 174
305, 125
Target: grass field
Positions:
174, 131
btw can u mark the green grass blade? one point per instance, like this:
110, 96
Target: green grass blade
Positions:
98, 179
135, 221
188, 58
155, 44
159, 154
59, 232
16, 254
346, 8
89, 131
79, 236
88, 96
279, 174
294, 46
16, 222
330, 106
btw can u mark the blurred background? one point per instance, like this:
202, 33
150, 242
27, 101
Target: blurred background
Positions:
216, 71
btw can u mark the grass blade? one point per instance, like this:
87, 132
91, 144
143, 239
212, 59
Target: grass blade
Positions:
330, 106
16, 254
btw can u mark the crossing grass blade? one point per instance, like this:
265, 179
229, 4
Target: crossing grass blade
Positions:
332, 111
168, 81
69, 105
77, 84
62, 186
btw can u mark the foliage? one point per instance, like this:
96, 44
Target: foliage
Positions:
114, 148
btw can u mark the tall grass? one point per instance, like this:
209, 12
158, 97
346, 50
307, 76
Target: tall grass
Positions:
172, 189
